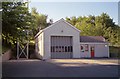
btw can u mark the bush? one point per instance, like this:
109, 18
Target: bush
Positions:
114, 51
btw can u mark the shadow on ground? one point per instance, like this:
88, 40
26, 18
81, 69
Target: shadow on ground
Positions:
38, 68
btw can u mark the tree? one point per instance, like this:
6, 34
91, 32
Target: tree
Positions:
101, 25
40, 20
15, 19
72, 20
86, 25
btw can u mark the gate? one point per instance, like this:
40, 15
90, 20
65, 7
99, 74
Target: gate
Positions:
22, 51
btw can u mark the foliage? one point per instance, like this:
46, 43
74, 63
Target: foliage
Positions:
40, 21
18, 24
101, 25
15, 21
114, 51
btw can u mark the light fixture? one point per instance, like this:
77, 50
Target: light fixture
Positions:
106, 45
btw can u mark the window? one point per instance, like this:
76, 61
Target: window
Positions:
52, 49
62, 48
65, 48
56, 48
69, 48
86, 47
82, 48
92, 48
59, 48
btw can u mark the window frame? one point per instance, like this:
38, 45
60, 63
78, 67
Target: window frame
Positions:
82, 48
86, 47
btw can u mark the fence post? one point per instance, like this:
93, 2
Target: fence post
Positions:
27, 49
17, 50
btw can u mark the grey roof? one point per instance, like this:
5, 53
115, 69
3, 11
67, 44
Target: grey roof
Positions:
96, 39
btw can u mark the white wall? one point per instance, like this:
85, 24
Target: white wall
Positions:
55, 30
39, 46
101, 50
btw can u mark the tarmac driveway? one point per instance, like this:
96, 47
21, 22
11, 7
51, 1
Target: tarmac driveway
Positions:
61, 68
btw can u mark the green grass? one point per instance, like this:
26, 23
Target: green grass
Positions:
114, 51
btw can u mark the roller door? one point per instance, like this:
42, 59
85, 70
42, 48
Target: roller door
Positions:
61, 47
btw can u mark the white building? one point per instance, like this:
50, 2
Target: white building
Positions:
62, 40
